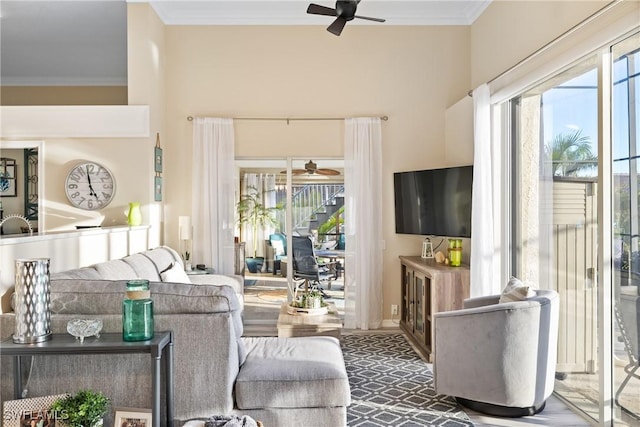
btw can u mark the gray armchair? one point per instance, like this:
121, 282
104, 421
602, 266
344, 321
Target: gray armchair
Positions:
498, 359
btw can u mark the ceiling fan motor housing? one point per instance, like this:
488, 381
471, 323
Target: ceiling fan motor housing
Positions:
346, 9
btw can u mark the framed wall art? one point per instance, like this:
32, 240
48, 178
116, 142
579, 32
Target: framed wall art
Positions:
32, 411
132, 417
157, 188
157, 154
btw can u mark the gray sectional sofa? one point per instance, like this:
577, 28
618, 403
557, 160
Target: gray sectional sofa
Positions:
279, 381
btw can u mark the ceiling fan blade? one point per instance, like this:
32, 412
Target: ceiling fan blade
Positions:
337, 26
316, 9
328, 172
298, 171
369, 18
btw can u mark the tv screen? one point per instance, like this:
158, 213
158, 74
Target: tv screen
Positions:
434, 202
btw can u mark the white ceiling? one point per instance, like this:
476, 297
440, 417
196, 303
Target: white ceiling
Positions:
83, 42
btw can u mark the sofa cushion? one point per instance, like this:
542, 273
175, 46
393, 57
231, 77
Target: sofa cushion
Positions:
175, 274
516, 290
143, 266
283, 372
163, 257
86, 273
95, 297
115, 270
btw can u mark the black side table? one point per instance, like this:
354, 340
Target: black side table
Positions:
108, 343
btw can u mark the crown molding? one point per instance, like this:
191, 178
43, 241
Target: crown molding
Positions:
293, 12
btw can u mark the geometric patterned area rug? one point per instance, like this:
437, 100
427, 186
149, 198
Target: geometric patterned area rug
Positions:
392, 386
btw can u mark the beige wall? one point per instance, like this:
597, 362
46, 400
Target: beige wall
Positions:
509, 31
146, 80
411, 74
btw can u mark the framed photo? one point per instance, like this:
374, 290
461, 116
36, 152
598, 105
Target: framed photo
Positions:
33, 411
8, 177
132, 417
158, 159
157, 188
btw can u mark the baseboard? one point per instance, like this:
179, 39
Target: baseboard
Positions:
390, 324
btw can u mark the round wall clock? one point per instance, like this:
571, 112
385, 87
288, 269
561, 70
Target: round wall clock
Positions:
90, 186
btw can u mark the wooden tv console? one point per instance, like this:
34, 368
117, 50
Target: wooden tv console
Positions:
428, 288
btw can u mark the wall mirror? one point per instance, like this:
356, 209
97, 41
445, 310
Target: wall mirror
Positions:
21, 189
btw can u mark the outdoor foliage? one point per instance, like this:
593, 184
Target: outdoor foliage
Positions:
570, 154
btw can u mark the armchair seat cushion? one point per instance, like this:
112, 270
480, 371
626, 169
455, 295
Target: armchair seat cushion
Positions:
283, 372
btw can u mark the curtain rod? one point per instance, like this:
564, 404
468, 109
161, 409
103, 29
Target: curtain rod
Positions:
562, 36
292, 119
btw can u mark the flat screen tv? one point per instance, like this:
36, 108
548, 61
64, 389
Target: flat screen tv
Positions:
434, 202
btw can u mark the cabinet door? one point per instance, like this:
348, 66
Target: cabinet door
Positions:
407, 297
419, 285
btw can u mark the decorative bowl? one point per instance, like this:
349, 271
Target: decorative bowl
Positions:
82, 328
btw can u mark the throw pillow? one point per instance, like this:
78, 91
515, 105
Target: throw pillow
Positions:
175, 274
516, 290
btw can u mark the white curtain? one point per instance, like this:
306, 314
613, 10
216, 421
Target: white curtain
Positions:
484, 253
363, 207
265, 186
213, 193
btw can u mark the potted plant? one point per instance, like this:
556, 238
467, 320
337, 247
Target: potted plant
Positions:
309, 299
254, 214
187, 261
84, 409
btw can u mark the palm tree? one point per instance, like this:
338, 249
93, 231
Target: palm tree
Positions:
570, 153
253, 213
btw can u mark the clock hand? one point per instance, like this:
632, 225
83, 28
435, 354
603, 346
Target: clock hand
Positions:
92, 192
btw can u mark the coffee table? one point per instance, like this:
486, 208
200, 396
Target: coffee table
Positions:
301, 325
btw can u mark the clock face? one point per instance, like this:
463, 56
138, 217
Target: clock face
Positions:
90, 186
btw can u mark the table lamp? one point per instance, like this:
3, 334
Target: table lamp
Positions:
185, 236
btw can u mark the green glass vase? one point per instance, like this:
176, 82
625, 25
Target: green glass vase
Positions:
137, 312
134, 217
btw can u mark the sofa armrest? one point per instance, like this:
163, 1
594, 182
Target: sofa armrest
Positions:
236, 282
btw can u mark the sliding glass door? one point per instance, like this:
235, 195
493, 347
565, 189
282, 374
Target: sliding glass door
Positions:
280, 198
558, 129
626, 238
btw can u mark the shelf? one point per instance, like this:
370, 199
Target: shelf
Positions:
74, 121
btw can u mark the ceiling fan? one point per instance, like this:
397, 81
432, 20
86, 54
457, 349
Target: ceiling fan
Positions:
310, 168
345, 11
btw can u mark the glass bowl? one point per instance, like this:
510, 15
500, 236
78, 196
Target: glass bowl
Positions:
82, 328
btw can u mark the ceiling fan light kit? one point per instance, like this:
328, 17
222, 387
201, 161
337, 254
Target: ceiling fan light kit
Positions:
344, 11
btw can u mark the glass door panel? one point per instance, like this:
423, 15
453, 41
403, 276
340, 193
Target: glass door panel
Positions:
261, 223
316, 209
418, 294
626, 250
555, 220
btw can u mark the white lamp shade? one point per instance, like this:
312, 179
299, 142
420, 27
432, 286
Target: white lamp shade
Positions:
184, 228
